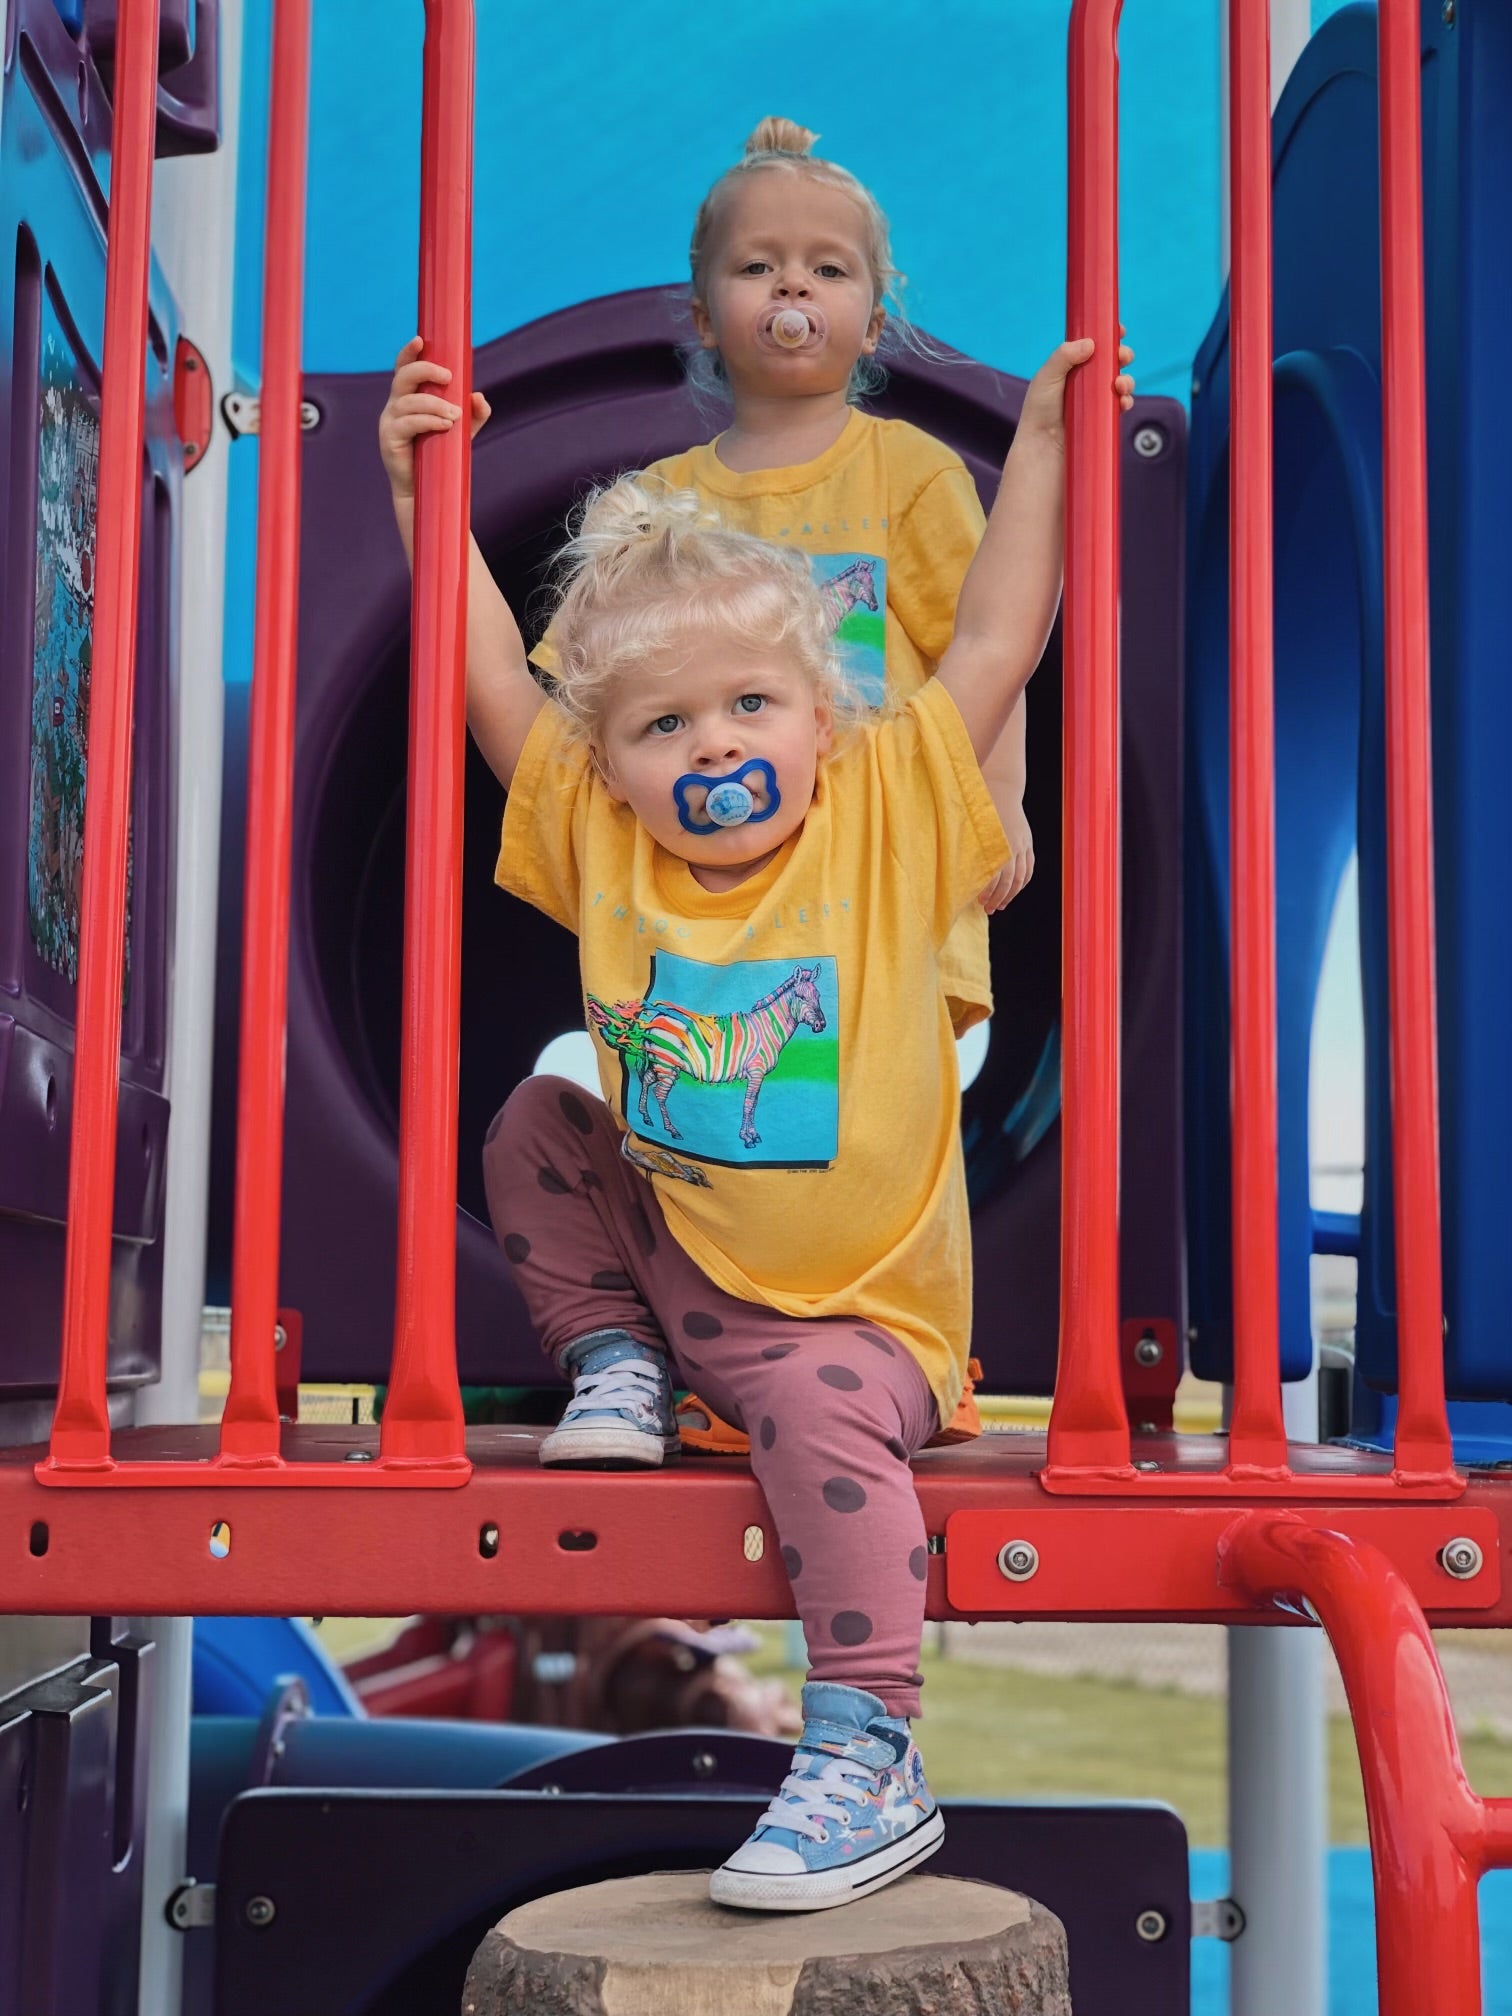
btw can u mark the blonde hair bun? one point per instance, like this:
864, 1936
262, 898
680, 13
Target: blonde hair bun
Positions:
780, 136
633, 509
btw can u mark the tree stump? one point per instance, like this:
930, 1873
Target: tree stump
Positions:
656, 1946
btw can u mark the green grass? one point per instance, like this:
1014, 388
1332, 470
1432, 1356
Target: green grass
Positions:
992, 1733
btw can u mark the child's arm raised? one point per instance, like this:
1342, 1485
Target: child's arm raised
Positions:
502, 697
1012, 588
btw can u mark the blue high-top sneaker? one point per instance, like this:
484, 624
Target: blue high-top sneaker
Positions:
620, 1415
853, 1814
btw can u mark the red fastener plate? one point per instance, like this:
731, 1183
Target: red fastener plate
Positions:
1151, 1559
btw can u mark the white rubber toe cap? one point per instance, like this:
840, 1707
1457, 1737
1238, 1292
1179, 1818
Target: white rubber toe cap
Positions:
766, 1858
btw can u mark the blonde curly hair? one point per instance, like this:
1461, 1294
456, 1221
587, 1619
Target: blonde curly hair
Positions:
650, 570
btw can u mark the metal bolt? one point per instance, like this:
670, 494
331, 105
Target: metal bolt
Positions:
359, 1456
261, 1911
1146, 1463
1448, 13
1149, 1350
1149, 441
1461, 1558
705, 1763
280, 1336
1151, 1925
1018, 1560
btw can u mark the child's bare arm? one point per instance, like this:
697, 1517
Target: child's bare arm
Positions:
1012, 588
502, 697
1005, 772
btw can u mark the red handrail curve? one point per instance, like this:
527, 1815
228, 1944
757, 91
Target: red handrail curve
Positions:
1431, 1837
249, 1427
81, 1423
1089, 1426
422, 1420
1257, 1434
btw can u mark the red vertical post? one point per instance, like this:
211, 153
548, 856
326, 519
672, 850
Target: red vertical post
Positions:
422, 1420
1089, 1424
1422, 1435
249, 1427
1257, 1435
81, 1426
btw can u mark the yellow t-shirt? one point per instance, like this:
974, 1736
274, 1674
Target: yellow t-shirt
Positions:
783, 1051
890, 519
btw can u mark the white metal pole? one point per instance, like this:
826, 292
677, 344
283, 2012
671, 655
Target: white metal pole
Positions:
193, 219
1278, 1799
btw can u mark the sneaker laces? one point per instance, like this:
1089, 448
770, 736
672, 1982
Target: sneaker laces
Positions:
809, 1799
632, 1383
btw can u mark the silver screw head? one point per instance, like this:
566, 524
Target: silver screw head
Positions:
1145, 1463
280, 1336
261, 1911
1149, 1351
359, 1456
1461, 1558
1018, 1560
705, 1763
1151, 1925
1149, 441
1448, 13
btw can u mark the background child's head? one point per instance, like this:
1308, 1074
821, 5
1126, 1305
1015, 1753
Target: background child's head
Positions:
686, 650
784, 228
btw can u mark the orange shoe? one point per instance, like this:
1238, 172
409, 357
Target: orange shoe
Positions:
701, 1428
966, 1423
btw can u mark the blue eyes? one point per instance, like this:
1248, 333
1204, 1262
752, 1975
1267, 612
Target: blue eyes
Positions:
668, 724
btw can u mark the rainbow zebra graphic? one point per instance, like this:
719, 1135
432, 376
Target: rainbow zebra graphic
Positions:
854, 587
662, 1042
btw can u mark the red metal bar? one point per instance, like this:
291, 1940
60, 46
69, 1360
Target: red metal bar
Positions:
81, 1426
422, 1420
1257, 1434
1422, 1436
1430, 1836
1089, 1426
249, 1427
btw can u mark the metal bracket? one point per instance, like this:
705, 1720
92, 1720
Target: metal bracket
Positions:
1217, 1918
191, 1908
242, 413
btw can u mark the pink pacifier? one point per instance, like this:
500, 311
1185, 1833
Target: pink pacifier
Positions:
791, 328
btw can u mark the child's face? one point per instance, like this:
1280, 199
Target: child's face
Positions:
788, 241
720, 707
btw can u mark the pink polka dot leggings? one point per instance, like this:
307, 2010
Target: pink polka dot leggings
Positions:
834, 1407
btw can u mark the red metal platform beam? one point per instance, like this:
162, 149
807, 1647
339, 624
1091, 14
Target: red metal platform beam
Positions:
1422, 1434
249, 1429
81, 1425
1431, 1838
422, 1421
1089, 1425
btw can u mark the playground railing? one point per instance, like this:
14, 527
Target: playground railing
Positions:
422, 1434
1089, 1445
1089, 1440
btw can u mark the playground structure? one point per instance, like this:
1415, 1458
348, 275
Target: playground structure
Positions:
1092, 1521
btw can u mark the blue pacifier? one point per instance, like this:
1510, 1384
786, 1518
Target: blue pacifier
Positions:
744, 798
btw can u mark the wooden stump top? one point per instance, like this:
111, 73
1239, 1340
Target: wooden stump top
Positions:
656, 1946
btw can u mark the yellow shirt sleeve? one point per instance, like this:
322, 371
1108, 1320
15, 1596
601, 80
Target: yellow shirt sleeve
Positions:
943, 831
545, 817
931, 544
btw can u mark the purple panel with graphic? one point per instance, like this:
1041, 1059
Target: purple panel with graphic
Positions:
578, 396
53, 133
